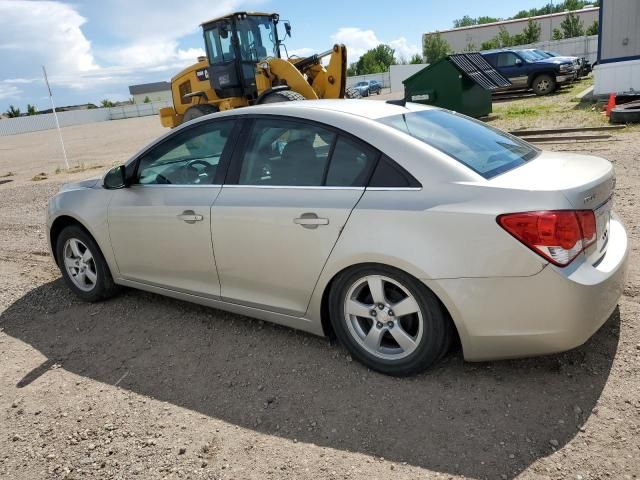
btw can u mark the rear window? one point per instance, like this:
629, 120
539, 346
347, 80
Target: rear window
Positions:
484, 149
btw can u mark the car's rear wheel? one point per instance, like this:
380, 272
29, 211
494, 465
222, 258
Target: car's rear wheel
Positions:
83, 267
543, 85
388, 320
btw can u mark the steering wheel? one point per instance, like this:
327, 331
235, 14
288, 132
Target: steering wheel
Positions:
190, 174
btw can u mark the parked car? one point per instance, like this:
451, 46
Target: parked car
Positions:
367, 87
583, 66
395, 228
527, 69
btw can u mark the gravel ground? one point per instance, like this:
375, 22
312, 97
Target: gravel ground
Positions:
156, 388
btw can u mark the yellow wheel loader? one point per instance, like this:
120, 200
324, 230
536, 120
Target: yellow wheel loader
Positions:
244, 66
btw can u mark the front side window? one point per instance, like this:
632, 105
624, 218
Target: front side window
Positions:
484, 149
286, 153
507, 59
257, 38
190, 157
219, 45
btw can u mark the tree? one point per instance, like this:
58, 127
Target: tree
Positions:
13, 112
376, 60
106, 103
531, 33
31, 109
593, 28
504, 38
489, 44
435, 47
352, 70
147, 99
557, 34
467, 21
572, 26
416, 59
470, 47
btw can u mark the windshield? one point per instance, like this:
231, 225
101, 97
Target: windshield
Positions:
257, 38
530, 55
484, 149
361, 84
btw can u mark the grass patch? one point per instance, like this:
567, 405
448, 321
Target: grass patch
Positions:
522, 110
40, 176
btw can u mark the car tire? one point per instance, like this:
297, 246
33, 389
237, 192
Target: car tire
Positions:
385, 341
198, 111
543, 84
351, 92
282, 96
86, 274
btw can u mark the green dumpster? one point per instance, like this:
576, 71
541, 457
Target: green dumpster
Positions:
462, 82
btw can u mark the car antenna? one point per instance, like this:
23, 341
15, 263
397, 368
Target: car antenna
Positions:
402, 102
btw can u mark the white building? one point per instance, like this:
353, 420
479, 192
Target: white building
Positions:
618, 68
470, 38
157, 92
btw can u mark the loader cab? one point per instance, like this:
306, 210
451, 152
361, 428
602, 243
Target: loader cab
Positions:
235, 44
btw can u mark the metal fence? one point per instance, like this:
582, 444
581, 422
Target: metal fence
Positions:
34, 123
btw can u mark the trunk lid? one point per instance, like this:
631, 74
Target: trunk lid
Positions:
586, 181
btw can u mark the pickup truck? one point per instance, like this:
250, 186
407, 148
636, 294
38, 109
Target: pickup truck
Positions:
524, 69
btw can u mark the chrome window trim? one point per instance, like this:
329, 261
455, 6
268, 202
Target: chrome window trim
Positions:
295, 187
173, 185
395, 189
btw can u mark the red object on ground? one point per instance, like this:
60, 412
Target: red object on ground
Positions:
611, 104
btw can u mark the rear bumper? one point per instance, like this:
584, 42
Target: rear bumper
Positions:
552, 311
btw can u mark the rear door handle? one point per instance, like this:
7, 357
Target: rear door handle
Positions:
189, 216
310, 220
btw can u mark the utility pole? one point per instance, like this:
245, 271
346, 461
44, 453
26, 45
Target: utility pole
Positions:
55, 116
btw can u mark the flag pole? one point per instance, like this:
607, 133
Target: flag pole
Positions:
55, 116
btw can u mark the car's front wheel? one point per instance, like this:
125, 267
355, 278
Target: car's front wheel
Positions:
543, 85
83, 267
388, 320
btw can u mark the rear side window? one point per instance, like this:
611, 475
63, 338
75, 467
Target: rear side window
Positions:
484, 149
388, 174
351, 164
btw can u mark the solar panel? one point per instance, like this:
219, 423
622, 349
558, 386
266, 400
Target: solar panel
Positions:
479, 70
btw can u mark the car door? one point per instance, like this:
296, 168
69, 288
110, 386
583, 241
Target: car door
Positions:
276, 220
160, 226
513, 67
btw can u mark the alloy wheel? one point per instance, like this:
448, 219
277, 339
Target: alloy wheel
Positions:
80, 264
383, 317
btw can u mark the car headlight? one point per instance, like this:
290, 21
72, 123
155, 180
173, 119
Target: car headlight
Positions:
565, 68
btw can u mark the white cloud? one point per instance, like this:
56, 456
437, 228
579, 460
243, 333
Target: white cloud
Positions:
300, 52
358, 41
403, 48
9, 91
43, 32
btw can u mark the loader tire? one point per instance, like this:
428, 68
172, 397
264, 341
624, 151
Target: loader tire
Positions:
282, 96
351, 92
198, 111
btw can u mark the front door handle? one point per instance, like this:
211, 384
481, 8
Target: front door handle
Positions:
310, 220
189, 216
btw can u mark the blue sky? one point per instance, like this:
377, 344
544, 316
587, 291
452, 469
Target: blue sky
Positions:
94, 49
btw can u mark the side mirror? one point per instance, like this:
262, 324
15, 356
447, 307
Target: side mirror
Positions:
518, 62
287, 28
115, 178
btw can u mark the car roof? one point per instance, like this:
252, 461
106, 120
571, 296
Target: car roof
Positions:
371, 109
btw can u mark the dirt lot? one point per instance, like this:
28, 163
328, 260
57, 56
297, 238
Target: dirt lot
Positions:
156, 388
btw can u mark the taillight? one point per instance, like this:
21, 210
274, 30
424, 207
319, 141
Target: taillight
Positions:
557, 235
